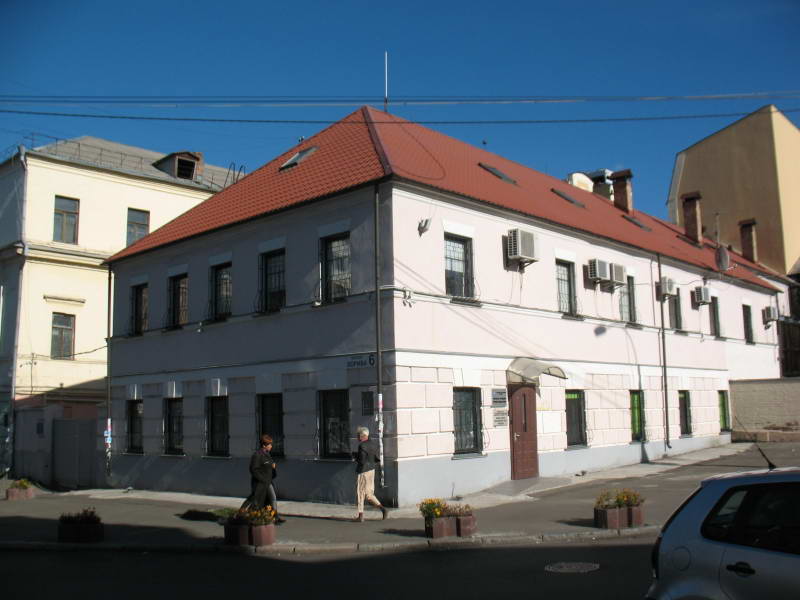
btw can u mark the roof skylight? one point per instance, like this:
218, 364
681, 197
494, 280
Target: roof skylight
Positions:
567, 197
497, 173
298, 158
636, 222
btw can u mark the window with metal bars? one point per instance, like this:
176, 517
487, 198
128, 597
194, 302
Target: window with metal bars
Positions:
336, 276
272, 267
675, 315
139, 309
724, 411
138, 225
713, 317
747, 318
565, 280
65, 220
135, 417
576, 418
62, 344
185, 168
637, 415
458, 280
173, 425
178, 300
467, 420
217, 426
221, 291
335, 423
270, 417
685, 412
627, 301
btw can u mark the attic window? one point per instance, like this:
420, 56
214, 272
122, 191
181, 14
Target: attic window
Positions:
298, 158
567, 197
636, 222
185, 169
497, 173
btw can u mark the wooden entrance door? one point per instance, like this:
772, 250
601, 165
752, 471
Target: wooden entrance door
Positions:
524, 447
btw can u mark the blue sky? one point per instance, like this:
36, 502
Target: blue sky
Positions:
466, 48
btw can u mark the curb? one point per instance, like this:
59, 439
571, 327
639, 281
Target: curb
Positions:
443, 544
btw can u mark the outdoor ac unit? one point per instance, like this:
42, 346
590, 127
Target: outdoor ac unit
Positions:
769, 313
702, 295
217, 387
619, 275
174, 389
521, 245
134, 391
599, 270
667, 287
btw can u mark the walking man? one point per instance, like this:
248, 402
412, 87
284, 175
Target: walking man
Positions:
366, 461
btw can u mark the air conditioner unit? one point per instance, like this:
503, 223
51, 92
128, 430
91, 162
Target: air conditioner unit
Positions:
667, 287
599, 270
173, 389
619, 274
701, 295
521, 245
769, 313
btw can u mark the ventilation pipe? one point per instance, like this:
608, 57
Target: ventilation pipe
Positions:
623, 190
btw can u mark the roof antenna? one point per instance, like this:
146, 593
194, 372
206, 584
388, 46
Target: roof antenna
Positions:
386, 81
770, 464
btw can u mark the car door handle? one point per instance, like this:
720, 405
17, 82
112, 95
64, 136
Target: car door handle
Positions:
741, 568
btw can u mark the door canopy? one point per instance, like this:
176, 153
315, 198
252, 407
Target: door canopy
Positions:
527, 370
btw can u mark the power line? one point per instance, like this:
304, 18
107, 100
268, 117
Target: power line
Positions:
386, 122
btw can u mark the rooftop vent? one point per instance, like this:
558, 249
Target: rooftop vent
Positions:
298, 158
497, 173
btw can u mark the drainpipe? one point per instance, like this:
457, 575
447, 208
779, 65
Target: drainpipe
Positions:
378, 357
108, 379
663, 360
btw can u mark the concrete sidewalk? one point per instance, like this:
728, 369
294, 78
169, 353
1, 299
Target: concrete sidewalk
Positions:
531, 511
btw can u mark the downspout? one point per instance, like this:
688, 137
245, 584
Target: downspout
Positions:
663, 359
108, 381
378, 356
24, 251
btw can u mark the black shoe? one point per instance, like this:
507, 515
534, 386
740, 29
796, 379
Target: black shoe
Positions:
384, 511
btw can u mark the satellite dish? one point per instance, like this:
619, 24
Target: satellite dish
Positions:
723, 258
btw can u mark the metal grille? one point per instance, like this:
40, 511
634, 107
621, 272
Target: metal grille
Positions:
135, 412
139, 309
65, 221
685, 406
747, 317
627, 301
724, 414
565, 278
335, 424
273, 285
222, 283
336, 276
270, 408
63, 336
458, 267
178, 310
675, 316
637, 416
713, 316
467, 420
217, 424
576, 418
138, 225
173, 426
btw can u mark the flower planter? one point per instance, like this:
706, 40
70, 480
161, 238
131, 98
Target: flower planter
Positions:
440, 527
80, 532
610, 518
19, 493
262, 535
466, 525
635, 516
237, 534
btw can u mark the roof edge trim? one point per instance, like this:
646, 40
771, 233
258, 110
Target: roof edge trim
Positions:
376, 142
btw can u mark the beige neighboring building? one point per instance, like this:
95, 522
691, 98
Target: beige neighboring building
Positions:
749, 173
65, 208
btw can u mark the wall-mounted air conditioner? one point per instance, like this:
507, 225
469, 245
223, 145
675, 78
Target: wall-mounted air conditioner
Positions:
619, 274
521, 245
599, 270
701, 295
769, 313
667, 287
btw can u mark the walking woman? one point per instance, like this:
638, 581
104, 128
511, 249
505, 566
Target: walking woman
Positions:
262, 472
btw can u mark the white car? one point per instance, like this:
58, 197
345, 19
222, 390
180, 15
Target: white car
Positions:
736, 537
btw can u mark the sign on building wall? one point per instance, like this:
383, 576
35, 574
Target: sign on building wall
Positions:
359, 361
499, 397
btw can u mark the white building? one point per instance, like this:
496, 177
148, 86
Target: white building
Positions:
65, 208
521, 324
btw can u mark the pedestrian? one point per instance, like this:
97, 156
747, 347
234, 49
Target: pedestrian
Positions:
262, 471
366, 461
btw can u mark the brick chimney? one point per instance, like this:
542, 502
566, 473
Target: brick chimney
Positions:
692, 221
623, 190
747, 231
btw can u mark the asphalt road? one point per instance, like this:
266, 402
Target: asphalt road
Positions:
623, 571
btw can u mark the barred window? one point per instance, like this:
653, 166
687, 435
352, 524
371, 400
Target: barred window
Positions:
336, 277
178, 300
565, 278
273, 281
724, 412
576, 418
62, 344
458, 267
713, 317
221, 292
747, 318
135, 414
335, 423
637, 416
685, 408
139, 309
217, 426
675, 316
173, 425
467, 420
270, 408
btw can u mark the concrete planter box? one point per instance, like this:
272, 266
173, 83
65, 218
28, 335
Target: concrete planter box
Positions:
440, 527
635, 516
19, 493
466, 525
611, 518
249, 535
262, 535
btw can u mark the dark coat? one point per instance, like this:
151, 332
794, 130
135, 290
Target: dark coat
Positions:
261, 474
367, 456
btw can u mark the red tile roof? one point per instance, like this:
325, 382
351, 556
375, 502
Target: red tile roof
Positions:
368, 145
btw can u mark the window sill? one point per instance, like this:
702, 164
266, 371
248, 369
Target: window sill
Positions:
266, 313
172, 328
750, 343
329, 459
721, 338
680, 332
217, 456
685, 436
465, 301
469, 455
572, 316
218, 319
133, 453
174, 454
633, 325
578, 447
